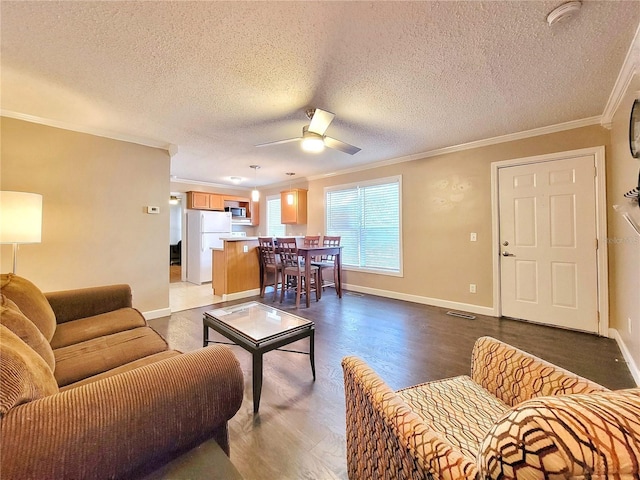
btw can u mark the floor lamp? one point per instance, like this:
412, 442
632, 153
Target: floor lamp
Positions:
20, 220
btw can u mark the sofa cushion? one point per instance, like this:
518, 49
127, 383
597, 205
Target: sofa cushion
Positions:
85, 359
577, 436
12, 318
141, 362
31, 302
84, 329
24, 375
457, 408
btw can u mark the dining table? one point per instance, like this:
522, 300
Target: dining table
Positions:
308, 253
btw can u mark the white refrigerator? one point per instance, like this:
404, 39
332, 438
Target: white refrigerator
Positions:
204, 230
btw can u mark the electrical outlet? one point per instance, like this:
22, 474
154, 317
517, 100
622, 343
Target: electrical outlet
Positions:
245, 248
473, 237
472, 288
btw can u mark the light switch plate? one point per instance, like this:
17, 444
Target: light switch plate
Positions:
153, 210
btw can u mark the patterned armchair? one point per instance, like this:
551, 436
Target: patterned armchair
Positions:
515, 417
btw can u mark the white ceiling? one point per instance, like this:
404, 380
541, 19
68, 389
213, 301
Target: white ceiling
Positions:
216, 78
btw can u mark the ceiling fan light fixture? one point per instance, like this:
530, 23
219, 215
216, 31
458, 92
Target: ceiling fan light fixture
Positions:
312, 142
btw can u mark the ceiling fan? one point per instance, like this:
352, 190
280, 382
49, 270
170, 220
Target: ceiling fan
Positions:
313, 138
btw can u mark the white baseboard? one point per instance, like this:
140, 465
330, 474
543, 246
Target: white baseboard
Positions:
163, 312
635, 371
235, 296
436, 302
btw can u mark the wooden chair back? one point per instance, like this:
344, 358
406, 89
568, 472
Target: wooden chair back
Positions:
288, 251
311, 241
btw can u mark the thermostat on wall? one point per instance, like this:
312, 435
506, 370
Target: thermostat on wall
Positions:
153, 209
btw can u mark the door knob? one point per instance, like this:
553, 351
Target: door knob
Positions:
507, 254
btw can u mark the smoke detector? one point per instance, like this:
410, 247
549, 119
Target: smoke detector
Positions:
563, 12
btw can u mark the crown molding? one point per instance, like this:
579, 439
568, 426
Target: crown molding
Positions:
125, 137
559, 127
630, 67
188, 181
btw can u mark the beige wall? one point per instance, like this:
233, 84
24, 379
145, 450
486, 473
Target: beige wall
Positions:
95, 230
445, 198
624, 244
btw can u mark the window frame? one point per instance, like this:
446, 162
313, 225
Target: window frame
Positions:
368, 183
272, 198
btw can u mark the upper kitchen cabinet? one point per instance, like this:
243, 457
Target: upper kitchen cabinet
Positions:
250, 209
205, 201
293, 207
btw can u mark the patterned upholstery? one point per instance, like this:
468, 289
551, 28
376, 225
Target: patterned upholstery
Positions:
386, 440
514, 376
458, 409
574, 436
559, 425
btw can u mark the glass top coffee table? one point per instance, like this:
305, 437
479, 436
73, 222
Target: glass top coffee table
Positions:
259, 328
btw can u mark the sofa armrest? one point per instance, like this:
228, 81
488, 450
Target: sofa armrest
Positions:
117, 426
387, 440
513, 375
86, 302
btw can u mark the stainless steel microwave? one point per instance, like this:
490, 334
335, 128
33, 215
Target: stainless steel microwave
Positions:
236, 212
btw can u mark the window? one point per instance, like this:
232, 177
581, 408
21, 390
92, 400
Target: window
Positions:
274, 227
367, 218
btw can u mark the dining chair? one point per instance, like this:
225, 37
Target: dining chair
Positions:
292, 267
311, 240
269, 263
328, 262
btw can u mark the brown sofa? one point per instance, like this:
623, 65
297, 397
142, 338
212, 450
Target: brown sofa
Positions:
516, 417
89, 390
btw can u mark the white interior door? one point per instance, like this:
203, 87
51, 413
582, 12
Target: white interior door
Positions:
548, 243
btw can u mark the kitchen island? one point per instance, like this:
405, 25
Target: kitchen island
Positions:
236, 268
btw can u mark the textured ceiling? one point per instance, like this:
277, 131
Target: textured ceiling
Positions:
217, 78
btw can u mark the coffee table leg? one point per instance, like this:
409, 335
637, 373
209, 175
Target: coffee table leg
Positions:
312, 354
257, 380
205, 336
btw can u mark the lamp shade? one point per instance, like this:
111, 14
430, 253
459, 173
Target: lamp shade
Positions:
20, 217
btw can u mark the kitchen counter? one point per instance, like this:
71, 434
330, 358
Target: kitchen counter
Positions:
237, 239
236, 268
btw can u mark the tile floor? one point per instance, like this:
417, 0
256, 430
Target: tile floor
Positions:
185, 295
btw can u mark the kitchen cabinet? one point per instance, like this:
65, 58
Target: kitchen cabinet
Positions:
205, 201
216, 201
236, 270
252, 208
293, 207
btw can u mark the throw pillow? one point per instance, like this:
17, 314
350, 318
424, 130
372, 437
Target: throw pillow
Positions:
24, 375
12, 318
31, 302
569, 436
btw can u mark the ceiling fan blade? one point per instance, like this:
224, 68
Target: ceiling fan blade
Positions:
278, 142
320, 121
342, 146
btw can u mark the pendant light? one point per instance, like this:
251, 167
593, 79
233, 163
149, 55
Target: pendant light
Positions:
290, 194
255, 194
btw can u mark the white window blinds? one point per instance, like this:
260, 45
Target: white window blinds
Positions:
274, 227
367, 218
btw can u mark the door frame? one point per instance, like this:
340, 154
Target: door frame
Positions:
601, 225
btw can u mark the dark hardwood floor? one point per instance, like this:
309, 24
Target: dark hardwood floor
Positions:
299, 432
